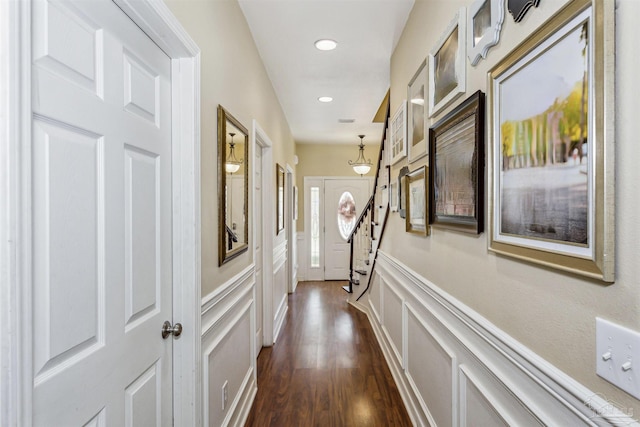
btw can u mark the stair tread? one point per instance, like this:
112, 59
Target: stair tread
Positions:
347, 289
361, 272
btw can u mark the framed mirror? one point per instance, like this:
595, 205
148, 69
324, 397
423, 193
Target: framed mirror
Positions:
233, 187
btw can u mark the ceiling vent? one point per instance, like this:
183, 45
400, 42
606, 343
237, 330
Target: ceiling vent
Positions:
346, 120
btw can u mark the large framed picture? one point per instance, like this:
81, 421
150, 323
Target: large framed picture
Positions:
417, 140
280, 199
417, 220
399, 134
456, 168
447, 65
552, 157
484, 22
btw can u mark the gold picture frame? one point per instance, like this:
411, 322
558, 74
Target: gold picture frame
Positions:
551, 159
416, 201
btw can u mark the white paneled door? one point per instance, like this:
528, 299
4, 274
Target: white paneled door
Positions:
344, 200
101, 206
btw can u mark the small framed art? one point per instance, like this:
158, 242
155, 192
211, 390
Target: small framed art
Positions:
416, 201
399, 134
416, 117
447, 65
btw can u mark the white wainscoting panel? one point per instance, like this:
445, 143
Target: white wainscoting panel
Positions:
228, 351
280, 292
455, 368
392, 320
375, 297
429, 361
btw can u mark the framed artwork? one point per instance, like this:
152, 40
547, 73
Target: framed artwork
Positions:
484, 23
551, 173
399, 134
280, 198
417, 220
447, 65
393, 195
402, 205
519, 8
416, 92
456, 168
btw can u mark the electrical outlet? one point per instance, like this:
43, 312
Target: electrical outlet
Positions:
618, 356
225, 394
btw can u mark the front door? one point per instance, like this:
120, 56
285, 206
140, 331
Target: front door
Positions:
101, 206
344, 200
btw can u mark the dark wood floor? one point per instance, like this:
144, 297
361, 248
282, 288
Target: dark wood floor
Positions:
326, 369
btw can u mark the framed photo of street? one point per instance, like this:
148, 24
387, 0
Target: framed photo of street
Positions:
551, 165
456, 168
417, 117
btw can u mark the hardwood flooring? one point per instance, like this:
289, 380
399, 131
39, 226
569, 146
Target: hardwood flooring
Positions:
326, 368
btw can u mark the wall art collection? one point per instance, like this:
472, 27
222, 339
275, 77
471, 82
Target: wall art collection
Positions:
549, 130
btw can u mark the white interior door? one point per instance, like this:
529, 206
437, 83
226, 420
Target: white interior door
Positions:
344, 200
258, 256
101, 203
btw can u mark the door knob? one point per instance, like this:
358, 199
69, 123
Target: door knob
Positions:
174, 330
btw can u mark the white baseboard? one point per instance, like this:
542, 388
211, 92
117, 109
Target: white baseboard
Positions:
454, 367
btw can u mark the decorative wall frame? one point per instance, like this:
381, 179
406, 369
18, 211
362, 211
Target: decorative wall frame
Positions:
519, 8
417, 119
456, 168
394, 192
402, 205
484, 23
399, 134
447, 64
416, 199
562, 153
280, 199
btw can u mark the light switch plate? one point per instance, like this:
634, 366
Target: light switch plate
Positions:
618, 356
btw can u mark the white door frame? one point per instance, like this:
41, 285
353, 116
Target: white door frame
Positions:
261, 141
16, 352
290, 232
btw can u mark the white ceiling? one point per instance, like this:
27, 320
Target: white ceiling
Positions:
355, 74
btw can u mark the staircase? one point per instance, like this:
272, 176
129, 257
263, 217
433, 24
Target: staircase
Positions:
367, 234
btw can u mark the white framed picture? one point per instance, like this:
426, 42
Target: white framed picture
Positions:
399, 134
447, 65
484, 23
417, 141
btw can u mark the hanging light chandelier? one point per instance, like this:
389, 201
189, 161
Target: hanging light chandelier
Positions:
232, 164
361, 166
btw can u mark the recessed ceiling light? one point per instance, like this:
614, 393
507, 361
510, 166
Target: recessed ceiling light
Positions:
325, 99
326, 44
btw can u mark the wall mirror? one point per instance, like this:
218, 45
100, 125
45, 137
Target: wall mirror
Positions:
233, 187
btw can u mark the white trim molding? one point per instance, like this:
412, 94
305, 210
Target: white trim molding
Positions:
476, 374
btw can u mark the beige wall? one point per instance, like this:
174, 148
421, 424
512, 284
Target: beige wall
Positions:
550, 312
232, 75
329, 160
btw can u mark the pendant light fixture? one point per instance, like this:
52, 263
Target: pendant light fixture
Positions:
232, 164
361, 166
